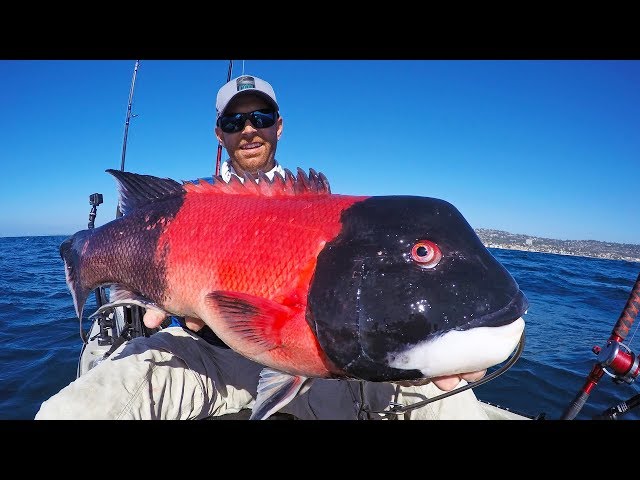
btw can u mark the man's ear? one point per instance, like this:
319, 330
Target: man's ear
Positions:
219, 136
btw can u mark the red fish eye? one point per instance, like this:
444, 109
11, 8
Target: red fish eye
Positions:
426, 253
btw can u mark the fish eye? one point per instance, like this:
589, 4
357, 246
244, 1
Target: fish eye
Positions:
426, 253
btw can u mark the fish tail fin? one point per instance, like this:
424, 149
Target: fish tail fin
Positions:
70, 254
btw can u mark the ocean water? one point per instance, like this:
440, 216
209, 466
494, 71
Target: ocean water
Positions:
574, 303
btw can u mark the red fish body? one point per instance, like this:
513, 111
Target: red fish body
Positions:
260, 255
308, 283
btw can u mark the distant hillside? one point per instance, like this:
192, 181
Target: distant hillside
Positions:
583, 248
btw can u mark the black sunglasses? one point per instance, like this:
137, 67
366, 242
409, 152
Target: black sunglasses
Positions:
263, 118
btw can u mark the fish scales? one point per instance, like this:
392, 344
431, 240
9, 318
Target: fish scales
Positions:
267, 249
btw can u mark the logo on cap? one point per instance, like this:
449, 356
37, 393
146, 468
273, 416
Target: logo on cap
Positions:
243, 83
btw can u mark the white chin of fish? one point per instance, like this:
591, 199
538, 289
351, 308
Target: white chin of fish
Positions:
461, 351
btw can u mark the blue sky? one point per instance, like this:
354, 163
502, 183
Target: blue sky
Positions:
547, 148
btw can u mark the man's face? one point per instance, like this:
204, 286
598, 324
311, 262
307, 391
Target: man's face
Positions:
251, 149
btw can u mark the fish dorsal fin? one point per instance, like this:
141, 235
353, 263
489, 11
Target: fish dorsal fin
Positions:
279, 186
136, 189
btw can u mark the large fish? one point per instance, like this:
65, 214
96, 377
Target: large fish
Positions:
308, 283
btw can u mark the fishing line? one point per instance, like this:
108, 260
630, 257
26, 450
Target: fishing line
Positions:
634, 334
399, 409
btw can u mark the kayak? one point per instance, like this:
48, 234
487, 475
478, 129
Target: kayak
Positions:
109, 331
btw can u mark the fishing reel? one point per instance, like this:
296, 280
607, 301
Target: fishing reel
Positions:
618, 361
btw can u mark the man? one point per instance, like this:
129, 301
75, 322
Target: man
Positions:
184, 372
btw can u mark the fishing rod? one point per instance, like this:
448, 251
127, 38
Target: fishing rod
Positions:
134, 325
126, 125
615, 359
220, 143
624, 407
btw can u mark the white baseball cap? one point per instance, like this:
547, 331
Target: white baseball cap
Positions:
244, 84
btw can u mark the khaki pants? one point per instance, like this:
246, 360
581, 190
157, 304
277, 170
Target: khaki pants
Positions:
177, 375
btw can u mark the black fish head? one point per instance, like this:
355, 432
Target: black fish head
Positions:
408, 291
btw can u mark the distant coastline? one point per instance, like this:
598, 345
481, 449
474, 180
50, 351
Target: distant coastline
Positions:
582, 248
530, 243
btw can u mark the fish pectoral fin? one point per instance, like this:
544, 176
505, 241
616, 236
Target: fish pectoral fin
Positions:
119, 296
254, 319
275, 390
